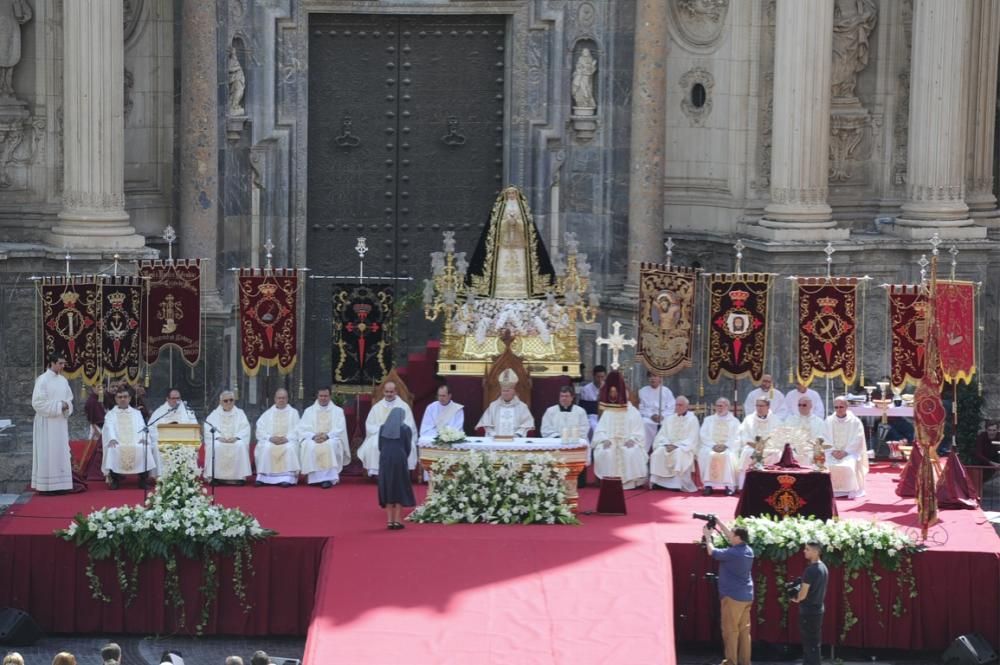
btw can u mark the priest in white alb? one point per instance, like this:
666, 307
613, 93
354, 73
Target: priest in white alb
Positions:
127, 448
507, 416
672, 463
719, 449
52, 400
323, 446
656, 402
173, 411
760, 424
798, 392
619, 444
444, 412
565, 420
277, 451
766, 390
808, 428
848, 460
368, 451
227, 442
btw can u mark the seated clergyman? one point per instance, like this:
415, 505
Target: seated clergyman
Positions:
848, 460
173, 411
758, 426
227, 442
368, 451
444, 412
672, 461
719, 449
127, 448
323, 446
565, 420
619, 444
507, 416
809, 427
277, 454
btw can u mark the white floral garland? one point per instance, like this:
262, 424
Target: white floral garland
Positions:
520, 318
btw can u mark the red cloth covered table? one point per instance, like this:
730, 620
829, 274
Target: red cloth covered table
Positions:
784, 492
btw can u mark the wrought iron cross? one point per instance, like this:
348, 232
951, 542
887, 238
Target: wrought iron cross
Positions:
669, 244
269, 246
616, 343
170, 236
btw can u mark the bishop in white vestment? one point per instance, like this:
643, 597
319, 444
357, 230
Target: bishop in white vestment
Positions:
848, 461
277, 451
52, 400
444, 412
127, 449
323, 446
674, 447
760, 424
229, 460
719, 449
768, 392
368, 451
619, 446
173, 411
565, 420
809, 427
507, 416
656, 402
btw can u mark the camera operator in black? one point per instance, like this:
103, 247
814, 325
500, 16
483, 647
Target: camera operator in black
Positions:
810, 599
735, 588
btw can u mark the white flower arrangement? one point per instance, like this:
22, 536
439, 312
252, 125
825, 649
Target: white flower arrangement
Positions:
494, 489
449, 436
520, 318
178, 517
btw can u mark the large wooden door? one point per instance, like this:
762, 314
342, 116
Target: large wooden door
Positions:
405, 142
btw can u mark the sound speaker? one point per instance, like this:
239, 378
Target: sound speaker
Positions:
970, 649
17, 628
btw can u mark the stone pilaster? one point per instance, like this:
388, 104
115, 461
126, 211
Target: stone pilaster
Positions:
93, 214
936, 145
984, 46
800, 150
648, 145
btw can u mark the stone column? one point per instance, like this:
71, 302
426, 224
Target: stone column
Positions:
93, 213
199, 143
983, 50
800, 149
936, 159
649, 98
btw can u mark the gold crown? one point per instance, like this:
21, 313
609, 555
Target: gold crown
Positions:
739, 296
117, 299
69, 298
921, 307
827, 302
268, 289
786, 481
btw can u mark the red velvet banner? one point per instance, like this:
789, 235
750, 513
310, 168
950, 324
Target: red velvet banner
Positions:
737, 337
827, 325
121, 307
268, 319
174, 309
908, 333
955, 314
666, 318
71, 310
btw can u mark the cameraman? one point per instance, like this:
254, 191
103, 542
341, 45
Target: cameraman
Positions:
735, 590
810, 600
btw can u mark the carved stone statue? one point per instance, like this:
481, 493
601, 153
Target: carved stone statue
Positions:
13, 14
853, 22
237, 84
583, 81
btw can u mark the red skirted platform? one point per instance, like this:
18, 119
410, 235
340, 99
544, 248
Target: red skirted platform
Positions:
617, 589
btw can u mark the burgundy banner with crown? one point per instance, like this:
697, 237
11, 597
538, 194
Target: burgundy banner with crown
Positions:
908, 333
268, 319
362, 352
955, 314
120, 330
827, 344
737, 337
666, 318
71, 310
174, 309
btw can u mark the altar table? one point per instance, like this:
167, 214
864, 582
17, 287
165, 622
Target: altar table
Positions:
784, 492
571, 456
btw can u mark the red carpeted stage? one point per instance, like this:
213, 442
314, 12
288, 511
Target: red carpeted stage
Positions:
616, 589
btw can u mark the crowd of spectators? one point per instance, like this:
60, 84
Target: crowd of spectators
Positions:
111, 654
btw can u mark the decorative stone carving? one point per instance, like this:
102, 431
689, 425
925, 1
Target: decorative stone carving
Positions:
765, 97
129, 87
699, 22
848, 129
131, 18
901, 114
237, 82
13, 14
584, 99
697, 102
853, 22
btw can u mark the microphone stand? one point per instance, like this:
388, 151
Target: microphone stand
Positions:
145, 451
213, 482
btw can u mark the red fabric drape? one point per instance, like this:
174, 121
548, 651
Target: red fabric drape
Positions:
954, 489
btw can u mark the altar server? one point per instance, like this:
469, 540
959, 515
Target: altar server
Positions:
719, 449
507, 415
766, 390
52, 400
565, 419
323, 446
127, 448
368, 452
619, 441
226, 433
674, 447
656, 402
277, 454
848, 461
445, 412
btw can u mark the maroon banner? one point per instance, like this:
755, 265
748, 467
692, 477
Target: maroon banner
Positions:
71, 310
908, 333
666, 318
268, 319
827, 323
737, 338
174, 307
121, 307
955, 314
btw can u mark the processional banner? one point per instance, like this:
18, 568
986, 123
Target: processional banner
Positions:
666, 317
119, 326
955, 314
908, 333
362, 350
827, 345
174, 309
928, 412
737, 337
268, 319
71, 309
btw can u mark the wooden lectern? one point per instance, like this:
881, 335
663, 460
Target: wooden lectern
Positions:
179, 434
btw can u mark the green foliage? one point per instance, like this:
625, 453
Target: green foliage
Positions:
970, 417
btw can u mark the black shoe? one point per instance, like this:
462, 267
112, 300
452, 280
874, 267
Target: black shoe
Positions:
258, 483
241, 483
707, 491
113, 481
326, 484
143, 481
729, 491
285, 484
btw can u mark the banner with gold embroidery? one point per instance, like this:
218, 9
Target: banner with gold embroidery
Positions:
666, 317
174, 306
119, 326
71, 309
362, 351
908, 333
737, 331
268, 319
955, 314
827, 344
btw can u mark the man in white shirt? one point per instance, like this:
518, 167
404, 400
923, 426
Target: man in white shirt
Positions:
507, 416
768, 392
719, 449
173, 411
52, 400
323, 446
656, 402
277, 454
445, 412
127, 448
565, 420
801, 390
590, 395
809, 426
368, 451
672, 461
226, 433
761, 424
619, 440
848, 461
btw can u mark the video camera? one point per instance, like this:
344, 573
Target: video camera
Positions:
710, 519
792, 587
